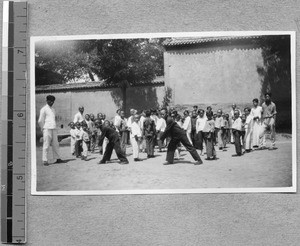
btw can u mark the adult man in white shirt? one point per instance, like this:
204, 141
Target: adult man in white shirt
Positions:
130, 120
135, 137
48, 125
236, 130
79, 115
187, 126
117, 120
200, 123
160, 128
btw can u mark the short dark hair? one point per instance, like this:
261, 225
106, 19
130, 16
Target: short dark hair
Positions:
186, 112
255, 100
268, 93
50, 98
209, 113
147, 113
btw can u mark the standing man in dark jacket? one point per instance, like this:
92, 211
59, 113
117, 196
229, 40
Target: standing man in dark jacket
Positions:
114, 143
177, 135
149, 131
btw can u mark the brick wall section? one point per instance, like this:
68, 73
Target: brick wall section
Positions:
96, 101
213, 75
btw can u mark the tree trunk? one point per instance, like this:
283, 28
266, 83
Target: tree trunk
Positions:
91, 76
124, 90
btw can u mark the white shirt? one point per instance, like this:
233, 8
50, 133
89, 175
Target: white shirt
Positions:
154, 117
141, 122
135, 130
47, 118
77, 133
248, 124
89, 124
78, 117
117, 121
187, 124
200, 124
73, 133
130, 122
161, 124
256, 112
179, 123
237, 124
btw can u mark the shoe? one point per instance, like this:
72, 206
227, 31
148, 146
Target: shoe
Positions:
101, 162
137, 159
199, 162
45, 163
262, 148
124, 162
59, 161
237, 155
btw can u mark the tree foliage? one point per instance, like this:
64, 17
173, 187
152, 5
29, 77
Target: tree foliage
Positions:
276, 75
112, 60
276, 71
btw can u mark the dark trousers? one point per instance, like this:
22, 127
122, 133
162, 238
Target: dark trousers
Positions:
209, 142
199, 140
193, 137
186, 143
159, 142
117, 147
78, 147
93, 140
124, 137
237, 141
150, 145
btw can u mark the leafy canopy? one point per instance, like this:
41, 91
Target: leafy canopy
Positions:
112, 60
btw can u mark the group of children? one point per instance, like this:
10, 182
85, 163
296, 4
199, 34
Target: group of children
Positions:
145, 131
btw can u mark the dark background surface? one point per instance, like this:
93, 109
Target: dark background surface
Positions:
195, 219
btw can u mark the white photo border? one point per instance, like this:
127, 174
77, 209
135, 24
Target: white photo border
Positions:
32, 120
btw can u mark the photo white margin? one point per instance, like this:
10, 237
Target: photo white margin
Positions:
291, 189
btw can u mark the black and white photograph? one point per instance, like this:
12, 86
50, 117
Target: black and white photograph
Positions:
163, 113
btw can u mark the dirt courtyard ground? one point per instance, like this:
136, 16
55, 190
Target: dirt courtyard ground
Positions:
258, 169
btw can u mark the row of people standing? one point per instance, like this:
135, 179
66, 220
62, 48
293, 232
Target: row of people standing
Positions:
250, 127
144, 131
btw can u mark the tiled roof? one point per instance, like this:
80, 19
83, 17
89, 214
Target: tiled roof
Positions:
91, 86
200, 40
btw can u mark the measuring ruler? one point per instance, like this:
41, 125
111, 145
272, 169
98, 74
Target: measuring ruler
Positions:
13, 116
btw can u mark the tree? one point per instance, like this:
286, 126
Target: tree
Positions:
276, 73
120, 62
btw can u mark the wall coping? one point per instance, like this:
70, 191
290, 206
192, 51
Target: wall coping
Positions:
91, 86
